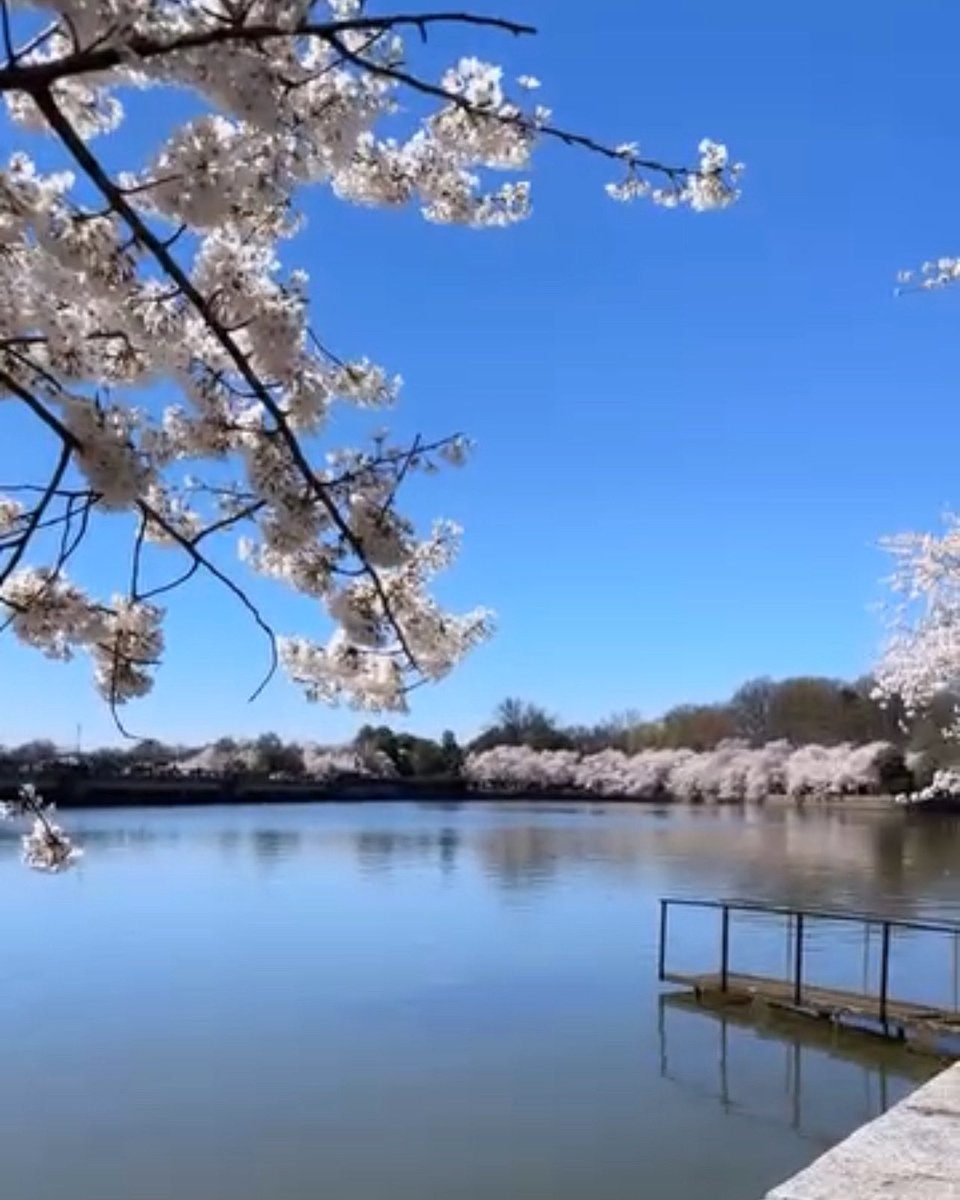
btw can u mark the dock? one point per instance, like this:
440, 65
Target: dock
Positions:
875, 1007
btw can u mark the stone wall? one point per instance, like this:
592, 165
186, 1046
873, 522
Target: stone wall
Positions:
912, 1152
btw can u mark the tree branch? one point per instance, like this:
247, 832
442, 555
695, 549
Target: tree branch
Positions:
47, 417
7, 34
515, 120
37, 516
200, 560
111, 192
39, 76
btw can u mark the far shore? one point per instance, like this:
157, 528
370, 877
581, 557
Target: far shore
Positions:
82, 791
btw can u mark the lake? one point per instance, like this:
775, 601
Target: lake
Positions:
394, 1002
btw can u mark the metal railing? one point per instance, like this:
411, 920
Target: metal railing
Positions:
798, 920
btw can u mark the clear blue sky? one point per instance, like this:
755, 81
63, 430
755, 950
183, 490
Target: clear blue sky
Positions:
692, 429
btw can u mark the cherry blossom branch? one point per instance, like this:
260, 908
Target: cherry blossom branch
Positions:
71, 443
515, 120
36, 517
99, 300
46, 847
66, 517
16, 388
35, 76
401, 459
147, 238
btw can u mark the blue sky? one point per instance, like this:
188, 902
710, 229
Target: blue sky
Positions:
692, 430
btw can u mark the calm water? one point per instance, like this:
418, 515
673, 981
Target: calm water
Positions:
395, 1002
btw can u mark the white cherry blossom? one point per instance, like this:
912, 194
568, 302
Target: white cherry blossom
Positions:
45, 846
922, 655
732, 773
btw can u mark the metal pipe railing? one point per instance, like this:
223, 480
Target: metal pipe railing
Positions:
819, 913
796, 918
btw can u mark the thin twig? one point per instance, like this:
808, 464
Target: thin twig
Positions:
517, 120
7, 34
202, 561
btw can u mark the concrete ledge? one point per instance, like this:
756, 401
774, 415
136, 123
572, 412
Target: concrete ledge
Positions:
912, 1152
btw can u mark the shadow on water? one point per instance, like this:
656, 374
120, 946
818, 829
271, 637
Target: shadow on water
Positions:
779, 1070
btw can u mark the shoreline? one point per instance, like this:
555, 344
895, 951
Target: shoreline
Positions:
72, 792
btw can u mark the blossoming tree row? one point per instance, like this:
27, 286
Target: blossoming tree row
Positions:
732, 772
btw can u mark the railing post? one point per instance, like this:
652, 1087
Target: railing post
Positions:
884, 971
798, 962
662, 960
724, 948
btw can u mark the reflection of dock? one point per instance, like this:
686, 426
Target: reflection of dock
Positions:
725, 1077
873, 1008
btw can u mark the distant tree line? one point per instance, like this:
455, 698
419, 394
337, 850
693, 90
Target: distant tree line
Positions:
377, 751
267, 755
803, 711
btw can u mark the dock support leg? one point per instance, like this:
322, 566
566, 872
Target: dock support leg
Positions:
724, 948
884, 973
798, 962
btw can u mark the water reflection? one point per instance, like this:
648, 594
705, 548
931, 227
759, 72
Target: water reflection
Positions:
877, 861
273, 846
887, 862
781, 1071
382, 850
392, 1001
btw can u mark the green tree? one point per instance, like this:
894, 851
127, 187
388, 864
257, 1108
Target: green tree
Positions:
274, 757
451, 752
519, 723
750, 710
381, 738
697, 726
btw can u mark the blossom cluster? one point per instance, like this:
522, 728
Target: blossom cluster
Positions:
45, 846
945, 785
921, 660
933, 274
310, 760
733, 772
56, 617
922, 656
712, 186
147, 320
